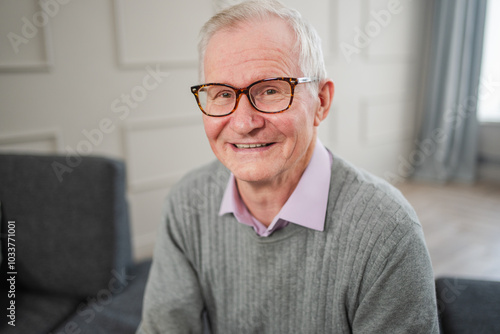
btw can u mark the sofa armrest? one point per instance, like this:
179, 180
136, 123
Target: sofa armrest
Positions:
468, 305
72, 227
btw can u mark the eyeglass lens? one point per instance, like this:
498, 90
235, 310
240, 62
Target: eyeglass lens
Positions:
266, 96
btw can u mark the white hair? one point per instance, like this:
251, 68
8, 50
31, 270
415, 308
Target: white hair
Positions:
307, 40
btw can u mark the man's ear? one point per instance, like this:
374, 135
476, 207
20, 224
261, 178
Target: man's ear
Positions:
325, 95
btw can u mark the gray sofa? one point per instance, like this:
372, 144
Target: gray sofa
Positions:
73, 260
468, 306
73, 263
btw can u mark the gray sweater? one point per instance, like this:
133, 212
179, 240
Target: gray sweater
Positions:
368, 272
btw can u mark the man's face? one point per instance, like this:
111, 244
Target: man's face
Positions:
239, 57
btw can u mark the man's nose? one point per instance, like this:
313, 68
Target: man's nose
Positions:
246, 118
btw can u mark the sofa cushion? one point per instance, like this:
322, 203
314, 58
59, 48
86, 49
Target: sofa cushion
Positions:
120, 313
1, 233
72, 228
468, 305
37, 313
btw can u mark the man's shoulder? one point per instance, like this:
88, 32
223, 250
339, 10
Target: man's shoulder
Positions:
367, 211
359, 192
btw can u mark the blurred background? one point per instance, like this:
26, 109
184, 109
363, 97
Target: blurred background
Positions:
417, 97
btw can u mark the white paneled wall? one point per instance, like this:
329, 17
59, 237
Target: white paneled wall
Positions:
148, 29
30, 48
378, 75
112, 78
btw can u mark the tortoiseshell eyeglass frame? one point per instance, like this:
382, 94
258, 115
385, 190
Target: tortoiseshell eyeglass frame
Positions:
239, 91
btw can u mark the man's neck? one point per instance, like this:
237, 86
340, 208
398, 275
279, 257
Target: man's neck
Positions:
265, 199
264, 202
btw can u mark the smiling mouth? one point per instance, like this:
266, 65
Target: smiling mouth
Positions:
251, 145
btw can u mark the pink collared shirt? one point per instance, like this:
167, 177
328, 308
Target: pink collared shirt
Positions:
306, 206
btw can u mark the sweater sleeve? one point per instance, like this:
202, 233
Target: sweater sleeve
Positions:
400, 297
173, 301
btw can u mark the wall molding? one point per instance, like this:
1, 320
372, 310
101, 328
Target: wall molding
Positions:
142, 124
333, 51
41, 65
27, 137
129, 64
408, 56
130, 127
154, 183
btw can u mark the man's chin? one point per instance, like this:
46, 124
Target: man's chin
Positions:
248, 177
251, 175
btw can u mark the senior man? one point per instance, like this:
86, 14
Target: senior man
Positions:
279, 235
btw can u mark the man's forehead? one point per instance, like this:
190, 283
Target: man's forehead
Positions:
252, 45
256, 32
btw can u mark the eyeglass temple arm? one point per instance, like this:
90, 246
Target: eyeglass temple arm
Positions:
306, 79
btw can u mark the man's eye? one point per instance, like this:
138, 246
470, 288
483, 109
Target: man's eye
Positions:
267, 91
270, 91
224, 95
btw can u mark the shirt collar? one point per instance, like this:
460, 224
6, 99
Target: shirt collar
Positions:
307, 204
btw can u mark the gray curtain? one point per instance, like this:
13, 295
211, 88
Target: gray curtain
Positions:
447, 149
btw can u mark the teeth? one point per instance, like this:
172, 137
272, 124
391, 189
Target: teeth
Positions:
250, 145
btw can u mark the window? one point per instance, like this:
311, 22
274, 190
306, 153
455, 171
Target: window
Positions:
488, 108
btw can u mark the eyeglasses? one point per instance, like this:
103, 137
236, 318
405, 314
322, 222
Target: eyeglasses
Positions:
269, 96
